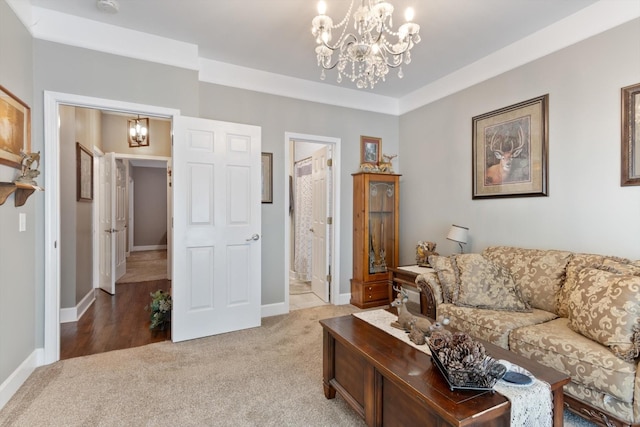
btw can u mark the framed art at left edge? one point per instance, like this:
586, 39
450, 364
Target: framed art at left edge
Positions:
15, 129
84, 169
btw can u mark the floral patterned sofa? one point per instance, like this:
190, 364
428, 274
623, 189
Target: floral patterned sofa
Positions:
577, 313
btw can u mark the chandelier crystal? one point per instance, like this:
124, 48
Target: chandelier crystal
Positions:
365, 55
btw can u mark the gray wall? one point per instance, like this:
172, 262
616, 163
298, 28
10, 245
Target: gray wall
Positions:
277, 115
114, 137
20, 257
76, 244
150, 206
586, 210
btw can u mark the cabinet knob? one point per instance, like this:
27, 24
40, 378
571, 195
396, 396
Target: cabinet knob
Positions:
369, 287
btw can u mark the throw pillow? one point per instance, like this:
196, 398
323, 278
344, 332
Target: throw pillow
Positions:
604, 307
539, 273
446, 275
485, 284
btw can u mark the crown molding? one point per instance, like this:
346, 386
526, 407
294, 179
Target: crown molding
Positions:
588, 22
225, 74
66, 29
45, 24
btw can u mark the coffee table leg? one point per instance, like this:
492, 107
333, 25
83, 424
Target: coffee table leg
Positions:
328, 365
558, 408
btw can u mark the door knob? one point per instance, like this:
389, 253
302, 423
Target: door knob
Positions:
254, 237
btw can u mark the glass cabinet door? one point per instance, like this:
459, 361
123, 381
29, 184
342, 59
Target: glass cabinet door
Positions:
381, 225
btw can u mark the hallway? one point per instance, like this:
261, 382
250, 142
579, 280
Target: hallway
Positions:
120, 321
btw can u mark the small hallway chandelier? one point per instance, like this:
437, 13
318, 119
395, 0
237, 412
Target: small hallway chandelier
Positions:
366, 55
138, 132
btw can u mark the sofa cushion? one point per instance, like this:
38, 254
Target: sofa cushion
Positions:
538, 273
484, 284
602, 401
446, 275
588, 363
604, 306
491, 325
577, 263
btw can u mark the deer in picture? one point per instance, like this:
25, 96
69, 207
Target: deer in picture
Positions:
505, 149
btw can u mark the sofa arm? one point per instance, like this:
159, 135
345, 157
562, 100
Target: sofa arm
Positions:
431, 292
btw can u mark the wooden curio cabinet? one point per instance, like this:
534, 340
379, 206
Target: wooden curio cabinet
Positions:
376, 198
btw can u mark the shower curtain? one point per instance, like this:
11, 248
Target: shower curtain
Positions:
302, 220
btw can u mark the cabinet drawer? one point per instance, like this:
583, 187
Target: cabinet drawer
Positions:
374, 292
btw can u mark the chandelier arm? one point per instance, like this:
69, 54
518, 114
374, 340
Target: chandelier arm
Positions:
341, 42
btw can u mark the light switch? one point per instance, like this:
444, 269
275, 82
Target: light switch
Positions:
22, 222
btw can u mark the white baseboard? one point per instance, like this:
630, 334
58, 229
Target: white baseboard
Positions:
344, 299
273, 309
9, 387
74, 314
148, 248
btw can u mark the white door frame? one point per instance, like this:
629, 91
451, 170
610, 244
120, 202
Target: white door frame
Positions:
290, 137
52, 101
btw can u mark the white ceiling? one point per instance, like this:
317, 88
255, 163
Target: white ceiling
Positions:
275, 36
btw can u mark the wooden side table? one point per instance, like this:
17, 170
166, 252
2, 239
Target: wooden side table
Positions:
406, 276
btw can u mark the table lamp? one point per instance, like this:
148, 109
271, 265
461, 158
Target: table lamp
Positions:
459, 234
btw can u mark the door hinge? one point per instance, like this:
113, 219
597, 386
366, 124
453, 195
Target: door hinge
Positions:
329, 278
329, 220
329, 162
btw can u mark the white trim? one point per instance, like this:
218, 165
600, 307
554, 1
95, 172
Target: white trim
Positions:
47, 24
277, 84
588, 22
54, 26
74, 314
344, 299
95, 213
52, 100
148, 248
335, 250
11, 385
274, 309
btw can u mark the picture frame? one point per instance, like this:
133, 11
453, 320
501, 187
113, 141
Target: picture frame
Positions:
267, 177
630, 127
15, 129
510, 151
370, 150
84, 173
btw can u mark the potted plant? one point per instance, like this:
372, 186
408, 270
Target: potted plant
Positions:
160, 309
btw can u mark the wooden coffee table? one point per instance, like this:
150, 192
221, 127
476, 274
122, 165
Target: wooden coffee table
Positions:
390, 383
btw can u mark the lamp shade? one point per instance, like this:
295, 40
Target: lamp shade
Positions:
458, 233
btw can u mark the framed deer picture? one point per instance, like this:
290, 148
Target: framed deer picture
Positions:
511, 151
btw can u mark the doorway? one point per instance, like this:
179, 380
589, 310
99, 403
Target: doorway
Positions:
99, 225
311, 218
52, 103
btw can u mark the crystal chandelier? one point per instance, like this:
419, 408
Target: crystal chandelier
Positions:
366, 55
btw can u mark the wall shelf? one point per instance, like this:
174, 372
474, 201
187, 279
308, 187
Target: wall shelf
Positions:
23, 191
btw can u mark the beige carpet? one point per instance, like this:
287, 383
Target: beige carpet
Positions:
143, 266
267, 376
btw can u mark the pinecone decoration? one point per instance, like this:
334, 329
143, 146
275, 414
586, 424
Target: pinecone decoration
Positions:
465, 360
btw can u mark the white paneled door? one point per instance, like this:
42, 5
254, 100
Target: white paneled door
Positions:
320, 247
107, 282
216, 228
120, 217
113, 224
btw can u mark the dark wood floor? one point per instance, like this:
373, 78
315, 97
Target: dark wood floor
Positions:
113, 322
